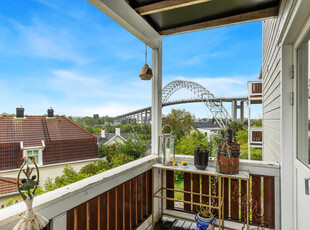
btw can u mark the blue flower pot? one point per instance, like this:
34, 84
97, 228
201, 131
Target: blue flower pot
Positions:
203, 223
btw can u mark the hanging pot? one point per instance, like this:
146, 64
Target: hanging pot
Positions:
146, 72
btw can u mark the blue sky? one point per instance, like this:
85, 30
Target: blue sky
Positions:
69, 55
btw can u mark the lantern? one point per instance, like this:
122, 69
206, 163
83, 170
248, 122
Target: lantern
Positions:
166, 146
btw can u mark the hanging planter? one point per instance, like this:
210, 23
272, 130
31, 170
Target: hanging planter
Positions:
146, 72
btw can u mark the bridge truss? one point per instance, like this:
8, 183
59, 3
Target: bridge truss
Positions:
201, 94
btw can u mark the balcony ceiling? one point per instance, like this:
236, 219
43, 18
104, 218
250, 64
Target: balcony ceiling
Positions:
170, 17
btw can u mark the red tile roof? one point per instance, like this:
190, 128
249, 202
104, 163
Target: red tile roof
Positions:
7, 185
34, 129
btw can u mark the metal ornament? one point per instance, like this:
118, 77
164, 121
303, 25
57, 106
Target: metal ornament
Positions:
167, 146
31, 220
146, 72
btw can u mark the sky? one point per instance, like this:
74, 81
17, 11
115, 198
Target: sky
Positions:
70, 56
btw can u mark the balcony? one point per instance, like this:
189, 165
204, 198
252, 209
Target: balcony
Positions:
256, 136
121, 198
255, 92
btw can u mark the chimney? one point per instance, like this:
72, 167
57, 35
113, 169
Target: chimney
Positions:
103, 133
50, 113
118, 131
20, 112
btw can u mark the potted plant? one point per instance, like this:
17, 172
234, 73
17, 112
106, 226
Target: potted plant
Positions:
205, 218
201, 153
227, 152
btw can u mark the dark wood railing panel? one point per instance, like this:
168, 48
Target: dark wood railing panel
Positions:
269, 202
119, 207
205, 184
149, 192
257, 136
122, 207
170, 184
81, 215
196, 189
103, 204
133, 202
244, 201
70, 219
92, 211
128, 203
112, 208
214, 192
256, 197
139, 199
187, 187
234, 203
257, 87
144, 184
226, 198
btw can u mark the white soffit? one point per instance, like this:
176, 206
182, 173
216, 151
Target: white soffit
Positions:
129, 19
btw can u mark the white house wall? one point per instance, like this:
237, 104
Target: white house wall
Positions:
272, 74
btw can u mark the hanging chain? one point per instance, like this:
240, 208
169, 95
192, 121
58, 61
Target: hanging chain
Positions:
145, 53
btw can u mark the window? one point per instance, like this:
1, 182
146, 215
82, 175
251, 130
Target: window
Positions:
36, 153
303, 67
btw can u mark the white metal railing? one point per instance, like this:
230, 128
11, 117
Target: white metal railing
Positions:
55, 204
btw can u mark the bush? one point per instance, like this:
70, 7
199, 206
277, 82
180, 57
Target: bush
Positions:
120, 159
94, 168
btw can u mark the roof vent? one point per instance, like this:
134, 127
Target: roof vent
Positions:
20, 112
50, 113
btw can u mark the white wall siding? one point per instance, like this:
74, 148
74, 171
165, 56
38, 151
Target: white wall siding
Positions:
271, 70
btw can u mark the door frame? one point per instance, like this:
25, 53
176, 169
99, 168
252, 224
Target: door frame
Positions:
305, 30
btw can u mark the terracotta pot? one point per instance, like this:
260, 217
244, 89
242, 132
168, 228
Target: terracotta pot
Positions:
229, 163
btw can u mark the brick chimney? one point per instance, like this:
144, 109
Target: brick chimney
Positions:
20, 112
50, 113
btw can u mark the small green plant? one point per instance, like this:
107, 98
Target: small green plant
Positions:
205, 212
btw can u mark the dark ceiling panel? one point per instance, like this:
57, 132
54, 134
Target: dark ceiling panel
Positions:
202, 12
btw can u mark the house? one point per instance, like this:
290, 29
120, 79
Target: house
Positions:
112, 138
206, 127
8, 189
53, 141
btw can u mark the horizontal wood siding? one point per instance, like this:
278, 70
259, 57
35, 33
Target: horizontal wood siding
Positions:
271, 72
123, 207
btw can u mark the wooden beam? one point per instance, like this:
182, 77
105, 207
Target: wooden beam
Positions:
166, 5
129, 19
231, 20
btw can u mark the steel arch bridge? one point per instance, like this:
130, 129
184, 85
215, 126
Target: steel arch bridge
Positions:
201, 94
217, 109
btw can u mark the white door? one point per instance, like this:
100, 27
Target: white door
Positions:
302, 124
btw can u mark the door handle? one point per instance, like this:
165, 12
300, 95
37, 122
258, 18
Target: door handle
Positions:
307, 179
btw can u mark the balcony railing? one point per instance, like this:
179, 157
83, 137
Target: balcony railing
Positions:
121, 198
255, 91
256, 136
116, 199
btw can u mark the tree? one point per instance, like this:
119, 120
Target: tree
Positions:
181, 122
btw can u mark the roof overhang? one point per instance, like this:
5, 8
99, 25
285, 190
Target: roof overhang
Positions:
149, 20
